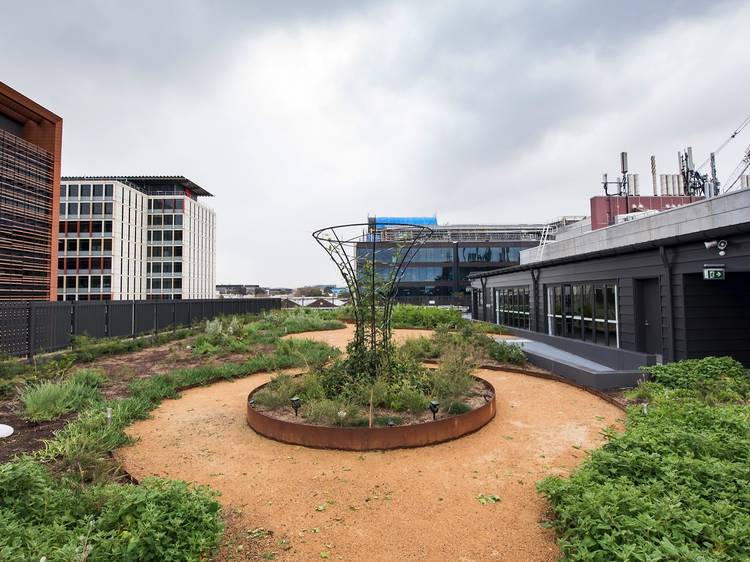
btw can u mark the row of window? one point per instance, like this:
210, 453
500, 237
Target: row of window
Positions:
84, 282
164, 268
165, 236
84, 264
161, 284
585, 311
85, 209
389, 254
489, 254
85, 190
164, 252
166, 205
165, 220
512, 307
107, 297
428, 274
85, 227
82, 245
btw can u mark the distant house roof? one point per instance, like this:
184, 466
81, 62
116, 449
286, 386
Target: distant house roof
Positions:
147, 182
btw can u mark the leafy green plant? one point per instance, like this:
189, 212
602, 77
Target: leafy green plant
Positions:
405, 398
332, 412
674, 485
156, 520
453, 379
420, 348
486, 499
411, 316
715, 379
504, 352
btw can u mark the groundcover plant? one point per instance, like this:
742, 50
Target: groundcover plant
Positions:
68, 501
675, 485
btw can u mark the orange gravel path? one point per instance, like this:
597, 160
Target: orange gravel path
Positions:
416, 504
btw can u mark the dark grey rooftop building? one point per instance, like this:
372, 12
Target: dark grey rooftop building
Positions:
665, 287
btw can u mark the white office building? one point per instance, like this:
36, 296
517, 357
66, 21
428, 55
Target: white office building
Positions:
134, 238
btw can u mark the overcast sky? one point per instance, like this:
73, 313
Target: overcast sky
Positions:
298, 115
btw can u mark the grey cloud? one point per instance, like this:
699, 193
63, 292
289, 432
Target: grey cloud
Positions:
140, 84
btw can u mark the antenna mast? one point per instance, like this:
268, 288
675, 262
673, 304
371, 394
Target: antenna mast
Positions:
695, 183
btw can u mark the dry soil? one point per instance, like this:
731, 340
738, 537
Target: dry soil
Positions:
416, 504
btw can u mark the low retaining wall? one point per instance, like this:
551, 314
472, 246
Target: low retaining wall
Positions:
372, 438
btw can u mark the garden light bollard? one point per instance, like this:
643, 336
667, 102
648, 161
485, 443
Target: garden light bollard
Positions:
434, 407
296, 403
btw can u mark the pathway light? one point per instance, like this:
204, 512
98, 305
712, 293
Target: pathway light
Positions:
296, 403
434, 407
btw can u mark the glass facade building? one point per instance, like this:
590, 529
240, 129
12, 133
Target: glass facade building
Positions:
441, 267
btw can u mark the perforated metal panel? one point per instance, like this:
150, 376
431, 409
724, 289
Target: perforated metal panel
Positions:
14, 328
51, 324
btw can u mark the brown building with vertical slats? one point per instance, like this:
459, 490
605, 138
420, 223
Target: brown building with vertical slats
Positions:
30, 148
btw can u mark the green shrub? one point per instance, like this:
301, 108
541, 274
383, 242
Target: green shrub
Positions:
156, 520
93, 378
278, 392
410, 316
673, 486
420, 348
329, 412
489, 328
452, 380
406, 398
457, 408
504, 352
49, 400
716, 379
11, 368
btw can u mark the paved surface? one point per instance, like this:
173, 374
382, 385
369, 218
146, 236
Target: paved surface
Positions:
558, 354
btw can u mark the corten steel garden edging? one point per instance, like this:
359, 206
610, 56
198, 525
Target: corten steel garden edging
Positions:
372, 438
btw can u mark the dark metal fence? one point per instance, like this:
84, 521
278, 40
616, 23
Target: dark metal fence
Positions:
28, 328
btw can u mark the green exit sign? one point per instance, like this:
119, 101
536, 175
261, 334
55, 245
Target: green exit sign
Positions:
714, 273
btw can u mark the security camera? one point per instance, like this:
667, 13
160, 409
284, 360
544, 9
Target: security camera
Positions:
722, 244
710, 244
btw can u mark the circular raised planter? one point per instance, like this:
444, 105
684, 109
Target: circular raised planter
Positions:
372, 438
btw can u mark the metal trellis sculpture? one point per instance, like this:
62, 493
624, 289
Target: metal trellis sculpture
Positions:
372, 259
